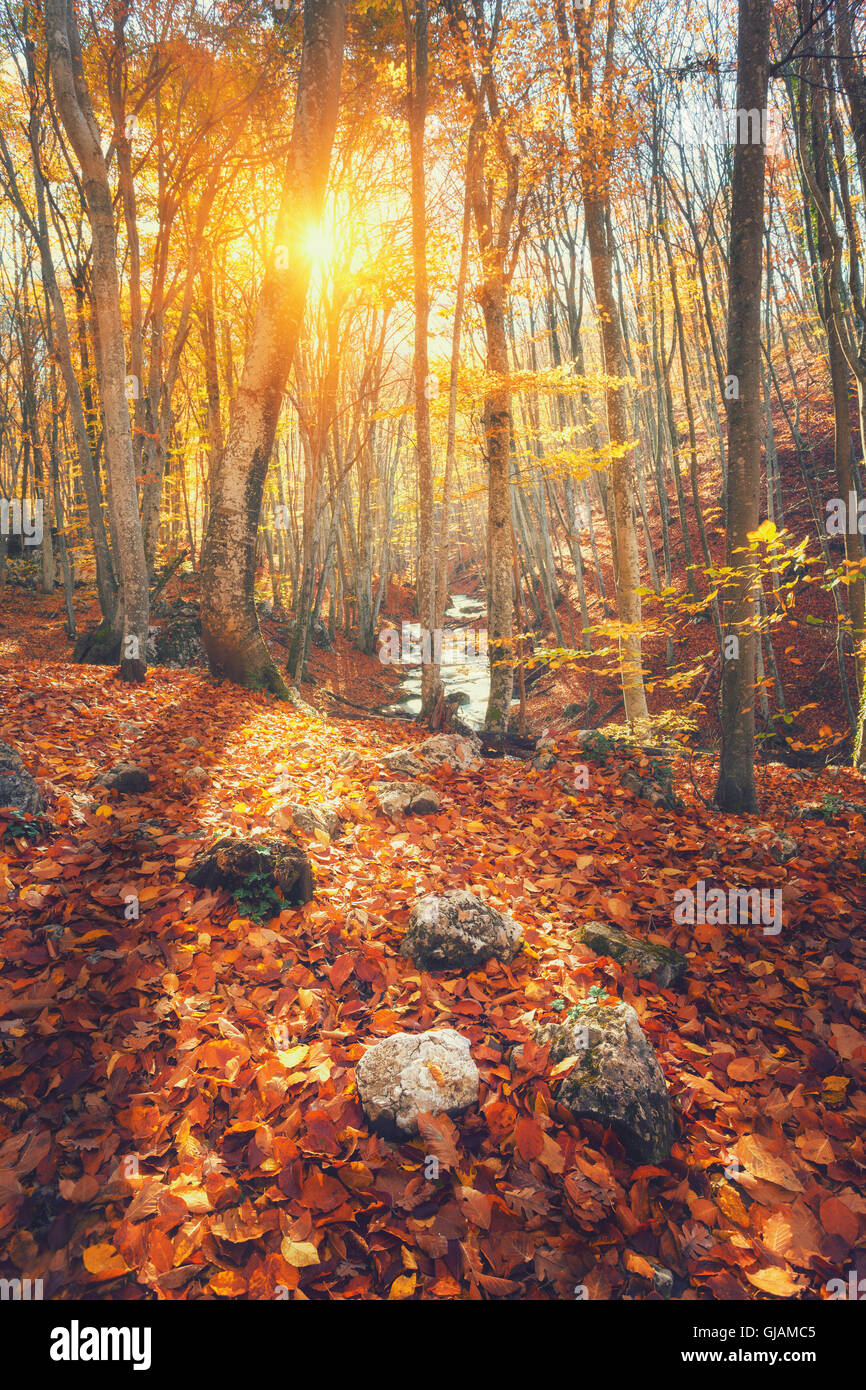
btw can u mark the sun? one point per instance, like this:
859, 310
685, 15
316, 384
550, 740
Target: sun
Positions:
318, 243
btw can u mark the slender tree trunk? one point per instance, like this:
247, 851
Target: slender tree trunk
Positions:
594, 172
76, 112
735, 789
230, 628
416, 39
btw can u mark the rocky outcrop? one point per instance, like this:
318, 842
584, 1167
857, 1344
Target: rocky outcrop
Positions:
314, 821
404, 762
460, 751
177, 642
125, 777
780, 848
410, 1074
457, 931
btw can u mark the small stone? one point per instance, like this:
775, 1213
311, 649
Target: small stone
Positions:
781, 847
460, 751
409, 1074
544, 761
657, 794
616, 1078
313, 821
17, 788
663, 1279
404, 762
645, 960
124, 777
406, 799
457, 931
194, 779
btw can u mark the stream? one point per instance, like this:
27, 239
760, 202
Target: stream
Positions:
470, 678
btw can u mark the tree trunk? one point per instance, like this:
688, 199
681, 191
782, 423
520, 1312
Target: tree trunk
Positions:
735, 789
415, 28
230, 629
76, 112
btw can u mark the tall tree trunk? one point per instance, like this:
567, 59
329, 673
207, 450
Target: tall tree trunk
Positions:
735, 789
76, 112
416, 39
594, 172
230, 628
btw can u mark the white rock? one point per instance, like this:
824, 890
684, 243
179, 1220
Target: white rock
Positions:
461, 751
397, 1081
406, 799
457, 931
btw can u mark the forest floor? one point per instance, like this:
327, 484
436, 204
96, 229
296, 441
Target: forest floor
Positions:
158, 1137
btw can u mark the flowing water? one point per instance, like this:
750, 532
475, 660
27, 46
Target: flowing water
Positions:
465, 618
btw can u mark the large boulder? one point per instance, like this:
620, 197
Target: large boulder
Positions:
17, 787
409, 1074
648, 962
615, 1079
457, 931
460, 751
406, 799
276, 864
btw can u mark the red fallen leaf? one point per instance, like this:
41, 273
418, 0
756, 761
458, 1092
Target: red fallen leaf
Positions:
528, 1138
80, 1190
839, 1220
792, 1233
228, 1283
341, 970
743, 1069
440, 1135
321, 1193
758, 1155
475, 1206
35, 1150
103, 1261
636, 1264
497, 1288
780, 1282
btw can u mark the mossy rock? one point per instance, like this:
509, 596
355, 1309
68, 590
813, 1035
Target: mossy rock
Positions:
616, 1078
644, 959
232, 860
99, 646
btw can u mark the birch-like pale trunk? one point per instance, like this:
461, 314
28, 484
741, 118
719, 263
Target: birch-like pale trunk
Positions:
74, 106
230, 629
